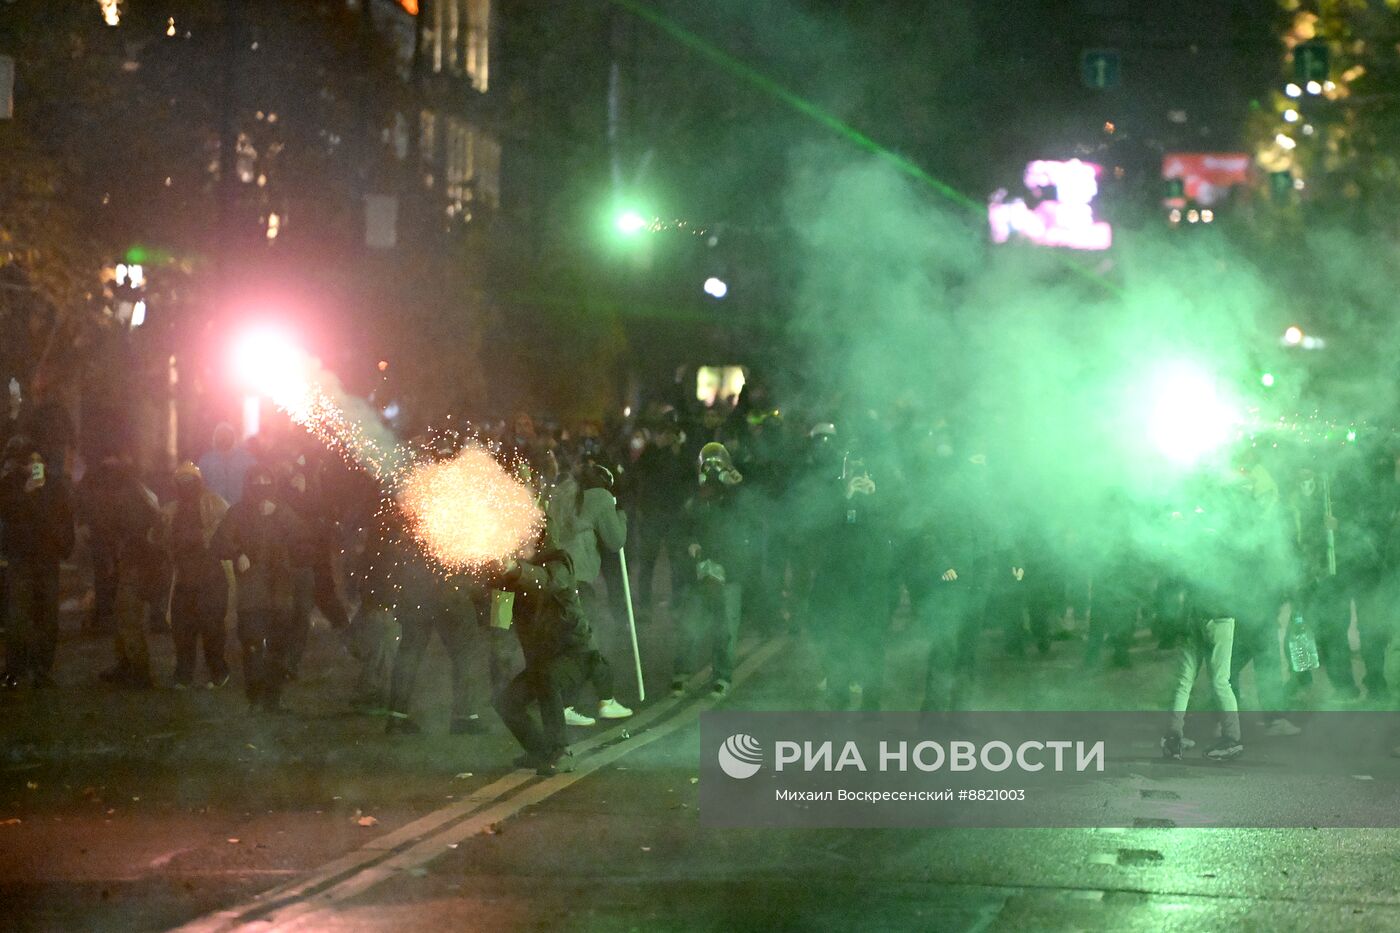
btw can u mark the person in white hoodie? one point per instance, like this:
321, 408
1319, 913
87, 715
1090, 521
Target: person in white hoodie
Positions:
583, 519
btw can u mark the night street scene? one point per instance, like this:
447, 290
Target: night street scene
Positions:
658, 465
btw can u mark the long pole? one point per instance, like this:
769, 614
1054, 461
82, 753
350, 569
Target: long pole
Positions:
632, 624
1331, 535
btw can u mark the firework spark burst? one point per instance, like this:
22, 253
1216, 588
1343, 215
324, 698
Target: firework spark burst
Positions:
318, 412
468, 513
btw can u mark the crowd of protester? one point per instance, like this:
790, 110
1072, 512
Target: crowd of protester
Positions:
823, 520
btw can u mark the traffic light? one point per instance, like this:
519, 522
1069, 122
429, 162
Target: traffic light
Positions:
1100, 68
1311, 62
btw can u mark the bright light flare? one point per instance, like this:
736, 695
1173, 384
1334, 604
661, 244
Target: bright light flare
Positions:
630, 223
1293, 335
716, 287
468, 513
268, 361
1189, 419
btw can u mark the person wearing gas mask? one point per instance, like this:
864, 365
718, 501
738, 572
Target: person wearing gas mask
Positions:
203, 589
36, 518
850, 588
264, 540
717, 542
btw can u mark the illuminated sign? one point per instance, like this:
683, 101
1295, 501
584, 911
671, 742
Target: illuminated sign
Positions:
718, 383
1057, 211
1206, 177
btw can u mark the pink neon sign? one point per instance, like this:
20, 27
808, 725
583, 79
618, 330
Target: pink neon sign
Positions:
1063, 214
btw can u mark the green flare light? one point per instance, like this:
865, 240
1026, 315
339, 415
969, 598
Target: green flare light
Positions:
1188, 417
630, 222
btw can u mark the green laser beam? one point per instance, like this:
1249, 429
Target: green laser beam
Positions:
753, 76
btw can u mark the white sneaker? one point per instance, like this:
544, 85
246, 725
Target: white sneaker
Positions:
1281, 726
611, 709
575, 718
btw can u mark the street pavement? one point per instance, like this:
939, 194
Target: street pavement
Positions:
163, 809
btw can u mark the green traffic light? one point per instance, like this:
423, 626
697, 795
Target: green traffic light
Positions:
139, 255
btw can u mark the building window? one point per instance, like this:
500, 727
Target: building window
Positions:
460, 39
451, 40
427, 136
473, 169
477, 59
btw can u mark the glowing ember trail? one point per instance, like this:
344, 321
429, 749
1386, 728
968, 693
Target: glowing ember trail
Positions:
314, 409
270, 362
468, 512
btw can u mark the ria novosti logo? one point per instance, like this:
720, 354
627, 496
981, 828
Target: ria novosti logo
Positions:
740, 756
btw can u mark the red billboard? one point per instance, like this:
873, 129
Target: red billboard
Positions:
1206, 177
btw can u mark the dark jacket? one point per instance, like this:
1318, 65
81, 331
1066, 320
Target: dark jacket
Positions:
38, 525
274, 544
548, 616
189, 532
713, 518
659, 480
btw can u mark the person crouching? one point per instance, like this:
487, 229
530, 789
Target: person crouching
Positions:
556, 640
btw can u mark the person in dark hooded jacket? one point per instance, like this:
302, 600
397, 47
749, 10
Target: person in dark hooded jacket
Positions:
122, 513
717, 540
36, 514
426, 603
203, 583
557, 643
850, 586
265, 540
964, 548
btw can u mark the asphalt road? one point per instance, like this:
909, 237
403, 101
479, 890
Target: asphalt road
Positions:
147, 811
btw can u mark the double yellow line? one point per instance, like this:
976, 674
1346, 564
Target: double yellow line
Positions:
310, 902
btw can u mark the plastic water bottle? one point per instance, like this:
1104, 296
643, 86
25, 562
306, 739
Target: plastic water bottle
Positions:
1302, 647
